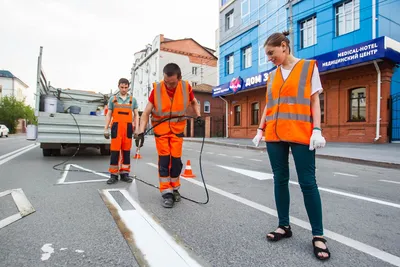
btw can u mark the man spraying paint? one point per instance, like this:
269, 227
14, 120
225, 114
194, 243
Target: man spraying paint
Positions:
123, 111
169, 98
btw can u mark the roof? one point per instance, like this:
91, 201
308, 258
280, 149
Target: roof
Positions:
203, 88
209, 50
8, 74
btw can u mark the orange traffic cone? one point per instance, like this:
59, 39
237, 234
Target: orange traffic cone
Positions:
188, 171
137, 155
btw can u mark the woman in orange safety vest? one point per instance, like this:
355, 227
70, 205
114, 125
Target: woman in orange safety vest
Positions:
292, 118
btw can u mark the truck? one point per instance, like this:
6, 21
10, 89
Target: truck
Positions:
68, 117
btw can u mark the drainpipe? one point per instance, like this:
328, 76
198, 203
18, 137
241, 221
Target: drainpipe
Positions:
373, 19
378, 101
226, 115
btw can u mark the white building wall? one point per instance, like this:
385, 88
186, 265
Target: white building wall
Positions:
13, 88
7, 86
19, 90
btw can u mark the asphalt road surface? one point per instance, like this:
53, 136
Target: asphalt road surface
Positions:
79, 220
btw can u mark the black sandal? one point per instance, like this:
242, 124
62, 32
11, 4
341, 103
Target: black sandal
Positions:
318, 250
278, 236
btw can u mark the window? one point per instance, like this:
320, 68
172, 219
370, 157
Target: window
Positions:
194, 84
245, 8
255, 108
246, 57
237, 116
229, 20
347, 17
358, 104
308, 32
322, 105
229, 64
194, 70
207, 107
262, 59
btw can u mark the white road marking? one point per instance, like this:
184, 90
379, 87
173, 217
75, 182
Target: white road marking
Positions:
380, 254
222, 155
79, 251
259, 160
14, 155
211, 153
15, 151
154, 243
238, 157
66, 171
61, 249
388, 181
345, 174
48, 250
252, 174
23, 205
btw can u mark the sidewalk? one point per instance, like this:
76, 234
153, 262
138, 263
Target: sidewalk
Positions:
381, 155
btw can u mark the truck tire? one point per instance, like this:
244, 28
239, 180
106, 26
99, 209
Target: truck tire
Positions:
105, 151
46, 152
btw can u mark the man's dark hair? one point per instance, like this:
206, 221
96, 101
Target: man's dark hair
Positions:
172, 69
124, 81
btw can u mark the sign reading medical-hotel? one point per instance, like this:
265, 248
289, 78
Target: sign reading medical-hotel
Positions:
355, 54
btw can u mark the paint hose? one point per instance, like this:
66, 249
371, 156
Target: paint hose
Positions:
135, 177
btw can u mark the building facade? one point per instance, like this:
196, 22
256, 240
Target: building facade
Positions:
10, 85
198, 65
355, 43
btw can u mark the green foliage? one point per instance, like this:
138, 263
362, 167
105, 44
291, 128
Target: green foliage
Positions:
11, 110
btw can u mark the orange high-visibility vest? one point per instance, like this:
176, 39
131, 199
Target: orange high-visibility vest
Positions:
122, 112
289, 117
165, 107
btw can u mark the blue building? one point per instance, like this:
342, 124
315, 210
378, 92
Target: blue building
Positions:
356, 45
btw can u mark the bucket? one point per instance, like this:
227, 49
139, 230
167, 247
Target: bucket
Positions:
31, 132
50, 104
75, 109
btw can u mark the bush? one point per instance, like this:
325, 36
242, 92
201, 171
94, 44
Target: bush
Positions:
11, 110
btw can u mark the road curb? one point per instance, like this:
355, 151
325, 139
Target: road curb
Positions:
321, 156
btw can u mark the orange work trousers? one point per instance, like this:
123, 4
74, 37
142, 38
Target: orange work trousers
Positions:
121, 141
169, 148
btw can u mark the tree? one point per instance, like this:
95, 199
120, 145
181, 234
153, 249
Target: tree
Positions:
11, 110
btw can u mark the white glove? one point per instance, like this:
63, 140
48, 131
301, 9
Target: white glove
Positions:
317, 140
258, 137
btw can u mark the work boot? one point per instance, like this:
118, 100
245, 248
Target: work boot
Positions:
177, 196
113, 179
168, 200
125, 177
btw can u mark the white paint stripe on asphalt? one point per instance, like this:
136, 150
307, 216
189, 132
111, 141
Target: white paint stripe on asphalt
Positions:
94, 172
238, 157
211, 153
252, 174
382, 255
259, 160
86, 181
388, 181
66, 171
345, 174
154, 243
64, 174
23, 205
18, 154
15, 151
222, 155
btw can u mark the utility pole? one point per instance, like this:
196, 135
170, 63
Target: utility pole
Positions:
291, 25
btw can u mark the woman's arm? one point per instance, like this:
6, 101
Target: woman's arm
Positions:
316, 110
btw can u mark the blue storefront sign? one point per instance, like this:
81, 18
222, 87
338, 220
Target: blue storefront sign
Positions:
382, 47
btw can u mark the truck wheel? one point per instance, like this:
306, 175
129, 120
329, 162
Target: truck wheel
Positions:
105, 151
46, 152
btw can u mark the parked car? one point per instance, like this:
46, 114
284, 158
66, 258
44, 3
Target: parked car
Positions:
4, 130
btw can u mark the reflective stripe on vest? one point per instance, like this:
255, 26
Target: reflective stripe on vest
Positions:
158, 110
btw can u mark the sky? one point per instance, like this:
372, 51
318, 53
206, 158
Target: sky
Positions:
90, 44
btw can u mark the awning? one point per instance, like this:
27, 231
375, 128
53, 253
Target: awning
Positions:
379, 48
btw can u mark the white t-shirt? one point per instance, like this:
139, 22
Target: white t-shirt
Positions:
316, 85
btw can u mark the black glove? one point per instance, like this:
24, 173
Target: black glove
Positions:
106, 135
199, 121
139, 140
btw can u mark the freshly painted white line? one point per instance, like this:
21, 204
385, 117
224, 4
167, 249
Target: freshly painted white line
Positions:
86, 181
17, 154
388, 181
238, 157
154, 243
23, 205
380, 254
79, 251
222, 155
94, 172
15, 151
252, 174
259, 160
211, 153
67, 168
48, 250
345, 174
64, 174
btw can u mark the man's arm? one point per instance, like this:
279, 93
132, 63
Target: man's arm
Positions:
196, 107
145, 117
108, 120
136, 119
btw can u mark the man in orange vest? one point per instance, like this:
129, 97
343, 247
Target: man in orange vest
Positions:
169, 98
123, 111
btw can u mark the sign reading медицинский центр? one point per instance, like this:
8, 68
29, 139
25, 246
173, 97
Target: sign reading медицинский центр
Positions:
355, 54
